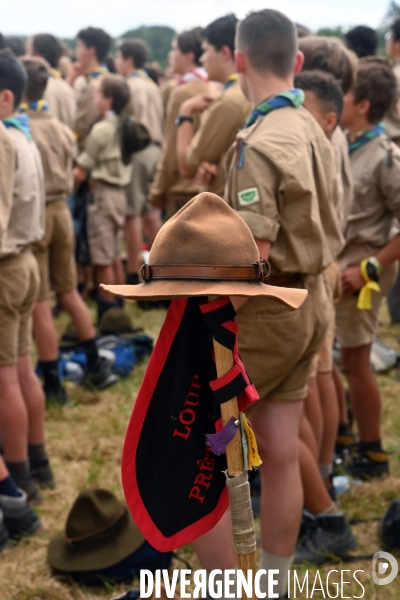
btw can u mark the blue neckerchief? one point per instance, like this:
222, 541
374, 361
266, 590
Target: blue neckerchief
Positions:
37, 106
20, 122
231, 81
369, 135
293, 98
102, 70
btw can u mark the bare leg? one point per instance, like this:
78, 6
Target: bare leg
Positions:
316, 496
341, 395
34, 399
45, 331
276, 425
105, 274
364, 391
330, 412
74, 305
13, 416
215, 548
313, 411
133, 239
3, 469
152, 222
308, 437
119, 273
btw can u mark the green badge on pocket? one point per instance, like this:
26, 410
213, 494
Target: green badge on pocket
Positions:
249, 196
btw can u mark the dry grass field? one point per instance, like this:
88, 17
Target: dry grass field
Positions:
85, 443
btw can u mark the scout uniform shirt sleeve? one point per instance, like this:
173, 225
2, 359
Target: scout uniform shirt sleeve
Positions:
95, 143
8, 162
251, 189
218, 126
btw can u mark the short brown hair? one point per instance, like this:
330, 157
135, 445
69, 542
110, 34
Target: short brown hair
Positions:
115, 87
376, 82
269, 40
38, 75
329, 54
136, 49
49, 47
190, 41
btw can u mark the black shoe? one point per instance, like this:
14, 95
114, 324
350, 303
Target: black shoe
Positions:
308, 522
345, 443
4, 537
56, 396
27, 485
100, 376
19, 519
43, 475
368, 464
329, 537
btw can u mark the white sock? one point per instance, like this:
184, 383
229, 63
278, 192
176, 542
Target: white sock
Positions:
325, 471
280, 563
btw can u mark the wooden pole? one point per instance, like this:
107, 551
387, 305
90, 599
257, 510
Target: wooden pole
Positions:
234, 452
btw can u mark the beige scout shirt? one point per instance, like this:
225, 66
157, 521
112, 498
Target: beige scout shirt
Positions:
87, 113
392, 117
102, 155
27, 220
376, 174
57, 147
61, 99
345, 178
8, 162
146, 104
168, 180
219, 125
286, 190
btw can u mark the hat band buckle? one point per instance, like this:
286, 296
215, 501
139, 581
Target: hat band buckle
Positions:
256, 272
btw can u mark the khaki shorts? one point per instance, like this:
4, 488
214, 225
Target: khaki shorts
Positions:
106, 218
355, 327
55, 252
323, 361
277, 344
143, 174
19, 287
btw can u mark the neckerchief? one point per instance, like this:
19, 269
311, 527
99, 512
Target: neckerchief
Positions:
102, 70
142, 74
55, 73
366, 137
293, 98
231, 80
199, 73
20, 122
37, 106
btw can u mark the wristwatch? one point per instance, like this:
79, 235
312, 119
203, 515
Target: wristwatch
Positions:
182, 118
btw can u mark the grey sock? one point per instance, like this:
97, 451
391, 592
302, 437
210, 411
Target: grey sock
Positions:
18, 468
37, 454
280, 563
325, 470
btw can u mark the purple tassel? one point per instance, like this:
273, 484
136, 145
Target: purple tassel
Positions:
218, 442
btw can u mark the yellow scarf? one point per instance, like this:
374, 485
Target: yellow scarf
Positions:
365, 296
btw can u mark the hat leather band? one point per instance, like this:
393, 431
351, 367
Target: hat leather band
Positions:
256, 272
104, 533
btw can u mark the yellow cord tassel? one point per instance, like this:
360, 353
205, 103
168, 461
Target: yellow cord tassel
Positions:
253, 458
365, 297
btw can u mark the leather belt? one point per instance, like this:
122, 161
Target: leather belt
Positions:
285, 280
256, 272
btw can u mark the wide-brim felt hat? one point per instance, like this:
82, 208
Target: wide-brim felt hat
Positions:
206, 249
99, 533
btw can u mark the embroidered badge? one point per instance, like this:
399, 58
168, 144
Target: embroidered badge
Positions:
249, 196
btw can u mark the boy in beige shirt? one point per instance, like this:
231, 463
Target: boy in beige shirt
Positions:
21, 396
102, 161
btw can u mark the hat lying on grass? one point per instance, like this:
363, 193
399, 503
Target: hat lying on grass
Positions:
206, 249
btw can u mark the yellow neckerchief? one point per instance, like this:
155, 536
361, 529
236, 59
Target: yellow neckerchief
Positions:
38, 106
365, 296
55, 73
97, 72
142, 74
231, 80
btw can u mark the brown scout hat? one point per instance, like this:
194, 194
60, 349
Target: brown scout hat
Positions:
205, 249
99, 533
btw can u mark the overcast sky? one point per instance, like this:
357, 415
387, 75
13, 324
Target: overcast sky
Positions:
65, 17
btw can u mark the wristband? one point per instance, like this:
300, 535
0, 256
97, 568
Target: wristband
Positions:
182, 119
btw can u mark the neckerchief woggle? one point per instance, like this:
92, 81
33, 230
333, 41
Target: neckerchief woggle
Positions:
294, 98
173, 482
366, 137
230, 81
20, 122
37, 106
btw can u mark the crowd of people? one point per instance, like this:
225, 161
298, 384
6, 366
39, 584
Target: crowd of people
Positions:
299, 134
